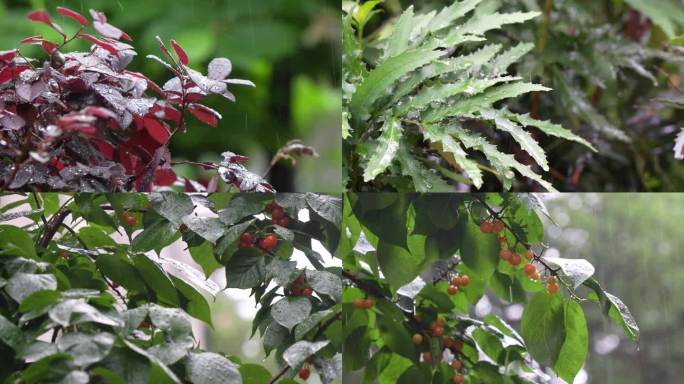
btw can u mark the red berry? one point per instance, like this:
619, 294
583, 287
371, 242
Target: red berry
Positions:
145, 325
498, 226
369, 303
458, 379
271, 206
247, 238
268, 243
529, 254
182, 228
506, 254
427, 357
304, 373
307, 291
458, 345
486, 227
277, 213
516, 260
453, 290
438, 331
464, 280
284, 222
131, 220
552, 288
359, 303
456, 364
530, 269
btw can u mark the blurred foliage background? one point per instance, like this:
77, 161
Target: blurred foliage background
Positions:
289, 48
616, 79
635, 241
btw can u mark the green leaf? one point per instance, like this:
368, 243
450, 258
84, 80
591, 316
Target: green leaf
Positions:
39, 300
383, 149
438, 135
424, 180
254, 374
575, 270
209, 228
193, 302
383, 77
156, 279
211, 368
243, 205
204, 256
479, 251
172, 205
549, 128
291, 311
523, 138
121, 270
11, 335
22, 285
299, 351
310, 323
576, 344
246, 269
543, 328
16, 242
326, 283
326, 206
157, 235
399, 265
401, 34
95, 237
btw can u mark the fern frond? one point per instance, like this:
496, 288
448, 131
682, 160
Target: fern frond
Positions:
434, 72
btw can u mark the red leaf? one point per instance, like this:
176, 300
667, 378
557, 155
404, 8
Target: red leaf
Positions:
8, 56
100, 112
73, 15
157, 130
32, 39
5, 75
110, 48
42, 16
164, 177
105, 148
48, 46
204, 114
180, 52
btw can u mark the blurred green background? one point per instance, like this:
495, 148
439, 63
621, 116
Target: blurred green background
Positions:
635, 241
289, 48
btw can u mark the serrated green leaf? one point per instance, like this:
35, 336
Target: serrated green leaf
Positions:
437, 135
383, 149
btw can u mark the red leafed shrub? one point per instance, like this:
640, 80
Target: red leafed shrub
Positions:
83, 121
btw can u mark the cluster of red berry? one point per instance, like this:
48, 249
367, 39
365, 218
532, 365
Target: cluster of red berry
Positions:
455, 345
458, 281
130, 219
277, 214
269, 242
299, 288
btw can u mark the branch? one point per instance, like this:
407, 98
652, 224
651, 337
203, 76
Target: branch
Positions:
52, 226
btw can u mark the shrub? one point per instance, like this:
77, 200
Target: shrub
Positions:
81, 121
77, 306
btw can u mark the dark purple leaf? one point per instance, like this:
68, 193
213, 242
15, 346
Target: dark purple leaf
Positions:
105, 29
234, 173
205, 114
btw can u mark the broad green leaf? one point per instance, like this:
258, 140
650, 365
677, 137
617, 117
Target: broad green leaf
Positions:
157, 235
398, 264
298, 352
479, 251
156, 279
211, 368
576, 344
172, 205
383, 149
204, 256
11, 335
576, 270
16, 242
23, 285
326, 283
543, 328
246, 269
254, 374
193, 302
291, 311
